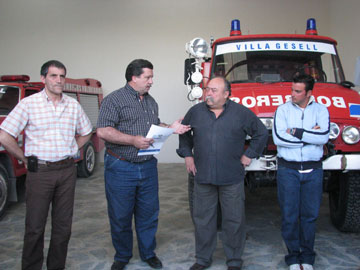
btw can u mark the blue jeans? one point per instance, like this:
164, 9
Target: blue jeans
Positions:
132, 190
299, 196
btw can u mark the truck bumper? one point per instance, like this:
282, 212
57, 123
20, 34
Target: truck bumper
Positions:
336, 162
342, 162
263, 163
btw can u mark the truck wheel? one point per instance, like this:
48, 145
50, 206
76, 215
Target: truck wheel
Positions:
191, 201
4, 190
344, 200
86, 167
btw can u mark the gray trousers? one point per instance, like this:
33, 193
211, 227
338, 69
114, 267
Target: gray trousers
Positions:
232, 200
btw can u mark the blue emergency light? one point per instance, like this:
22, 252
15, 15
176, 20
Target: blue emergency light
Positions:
311, 27
235, 28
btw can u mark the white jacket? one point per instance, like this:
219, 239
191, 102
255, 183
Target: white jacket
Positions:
307, 143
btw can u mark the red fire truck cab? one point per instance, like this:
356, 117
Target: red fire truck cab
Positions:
260, 69
13, 88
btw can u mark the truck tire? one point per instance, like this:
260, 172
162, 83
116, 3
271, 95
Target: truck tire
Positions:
344, 201
191, 201
86, 167
4, 190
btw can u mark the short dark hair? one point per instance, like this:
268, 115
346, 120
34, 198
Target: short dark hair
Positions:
305, 79
135, 68
52, 63
227, 85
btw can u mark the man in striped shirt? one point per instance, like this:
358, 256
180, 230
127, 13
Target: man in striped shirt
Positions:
50, 120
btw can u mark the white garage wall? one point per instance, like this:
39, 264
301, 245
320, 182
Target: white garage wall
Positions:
344, 26
98, 39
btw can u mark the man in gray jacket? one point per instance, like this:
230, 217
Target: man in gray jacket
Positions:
301, 128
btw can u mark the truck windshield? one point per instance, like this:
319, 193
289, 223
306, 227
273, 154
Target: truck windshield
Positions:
252, 65
9, 97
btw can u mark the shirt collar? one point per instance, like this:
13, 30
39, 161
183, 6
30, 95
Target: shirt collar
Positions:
133, 91
45, 96
311, 100
226, 104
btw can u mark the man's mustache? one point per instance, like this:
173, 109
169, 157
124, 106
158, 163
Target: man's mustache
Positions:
209, 98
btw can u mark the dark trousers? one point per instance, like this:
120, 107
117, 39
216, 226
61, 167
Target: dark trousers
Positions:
299, 197
132, 191
55, 185
232, 200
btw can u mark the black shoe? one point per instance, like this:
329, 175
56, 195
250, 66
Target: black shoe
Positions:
197, 266
154, 262
117, 265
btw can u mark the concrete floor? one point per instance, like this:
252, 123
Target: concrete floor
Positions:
90, 247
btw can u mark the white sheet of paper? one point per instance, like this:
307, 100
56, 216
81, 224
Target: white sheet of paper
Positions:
159, 134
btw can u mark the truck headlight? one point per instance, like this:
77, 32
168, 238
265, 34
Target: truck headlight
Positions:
350, 135
196, 92
334, 131
197, 47
196, 77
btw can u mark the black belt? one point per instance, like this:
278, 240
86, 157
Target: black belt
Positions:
306, 165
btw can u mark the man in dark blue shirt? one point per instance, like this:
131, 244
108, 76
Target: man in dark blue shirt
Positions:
131, 181
214, 153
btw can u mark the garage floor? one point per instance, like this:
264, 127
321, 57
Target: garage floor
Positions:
91, 248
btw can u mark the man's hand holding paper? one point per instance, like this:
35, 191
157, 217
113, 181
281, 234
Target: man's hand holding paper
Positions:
158, 135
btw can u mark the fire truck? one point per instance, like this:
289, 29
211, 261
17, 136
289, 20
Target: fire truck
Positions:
13, 88
260, 69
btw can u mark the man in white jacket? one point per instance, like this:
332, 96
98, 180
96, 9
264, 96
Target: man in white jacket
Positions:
301, 128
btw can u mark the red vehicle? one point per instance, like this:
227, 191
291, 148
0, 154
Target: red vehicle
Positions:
260, 69
13, 88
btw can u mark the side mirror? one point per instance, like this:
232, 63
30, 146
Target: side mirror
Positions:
189, 70
347, 84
